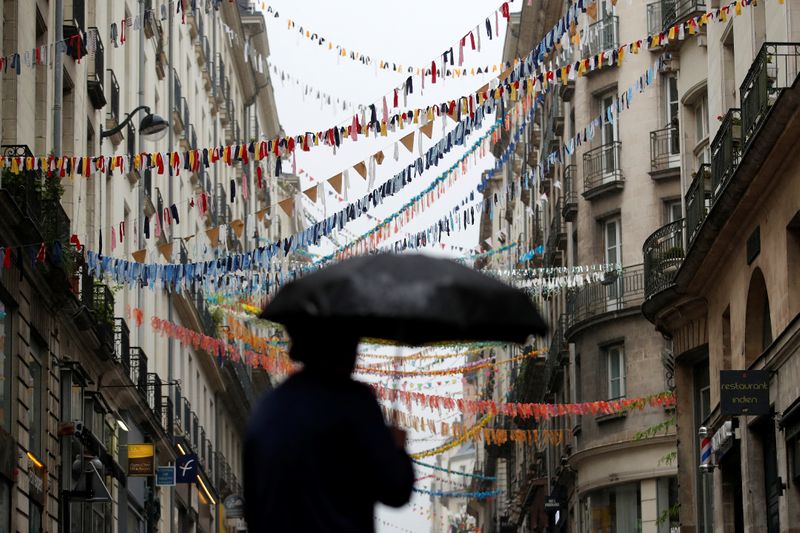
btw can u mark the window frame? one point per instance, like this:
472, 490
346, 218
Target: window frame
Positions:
621, 378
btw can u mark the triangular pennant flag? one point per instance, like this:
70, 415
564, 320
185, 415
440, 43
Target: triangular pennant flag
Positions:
213, 236
427, 129
336, 182
287, 205
238, 227
139, 256
379, 157
166, 251
311, 192
361, 168
260, 214
408, 141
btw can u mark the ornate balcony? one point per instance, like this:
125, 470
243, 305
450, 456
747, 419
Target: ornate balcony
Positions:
698, 201
138, 369
569, 202
601, 170
663, 255
95, 81
618, 292
603, 35
112, 117
775, 68
665, 152
726, 150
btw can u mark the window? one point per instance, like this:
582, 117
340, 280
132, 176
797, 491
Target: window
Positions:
612, 244
5, 368
702, 152
612, 510
615, 357
38, 359
673, 211
758, 324
609, 131
702, 409
672, 109
668, 506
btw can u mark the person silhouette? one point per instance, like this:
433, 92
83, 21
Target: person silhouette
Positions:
317, 453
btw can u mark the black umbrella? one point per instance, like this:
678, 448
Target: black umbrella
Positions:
410, 299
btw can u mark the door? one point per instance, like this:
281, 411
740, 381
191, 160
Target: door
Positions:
672, 107
612, 234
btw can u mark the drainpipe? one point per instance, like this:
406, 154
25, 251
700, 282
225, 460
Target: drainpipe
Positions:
170, 355
58, 77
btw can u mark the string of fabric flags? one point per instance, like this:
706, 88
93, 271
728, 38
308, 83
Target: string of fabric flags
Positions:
470, 41
538, 411
458, 441
478, 495
472, 367
454, 472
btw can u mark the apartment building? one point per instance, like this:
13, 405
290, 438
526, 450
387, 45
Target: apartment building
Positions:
720, 280
595, 206
83, 376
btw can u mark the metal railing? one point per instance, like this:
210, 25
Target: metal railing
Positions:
177, 91
96, 72
138, 369
619, 291
153, 394
726, 150
195, 429
206, 48
102, 303
601, 166
698, 201
122, 344
775, 68
570, 193
186, 418
167, 415
655, 17
665, 148
663, 255
675, 11
603, 35
114, 92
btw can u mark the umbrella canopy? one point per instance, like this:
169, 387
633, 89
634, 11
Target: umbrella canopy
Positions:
409, 299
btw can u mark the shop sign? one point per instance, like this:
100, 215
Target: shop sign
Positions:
744, 392
186, 468
234, 506
141, 459
37, 482
165, 476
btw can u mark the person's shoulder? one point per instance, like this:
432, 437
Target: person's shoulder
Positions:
362, 389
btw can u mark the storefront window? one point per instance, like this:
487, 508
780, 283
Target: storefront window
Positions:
667, 495
5, 368
612, 510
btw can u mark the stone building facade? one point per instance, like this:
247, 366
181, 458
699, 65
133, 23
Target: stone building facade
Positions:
728, 299
83, 376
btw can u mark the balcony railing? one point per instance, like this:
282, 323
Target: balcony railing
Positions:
619, 291
153, 394
603, 35
726, 150
122, 344
663, 255
698, 201
102, 303
138, 369
775, 68
167, 415
655, 17
186, 418
676, 11
113, 112
95, 79
665, 150
601, 169
195, 430
570, 193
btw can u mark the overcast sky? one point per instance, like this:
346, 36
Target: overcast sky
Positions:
411, 32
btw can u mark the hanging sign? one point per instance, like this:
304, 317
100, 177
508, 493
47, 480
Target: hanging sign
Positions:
186, 468
165, 476
744, 392
234, 506
141, 460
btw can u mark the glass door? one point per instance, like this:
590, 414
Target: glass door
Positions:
613, 255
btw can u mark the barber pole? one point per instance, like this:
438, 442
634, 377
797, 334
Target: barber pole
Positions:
705, 452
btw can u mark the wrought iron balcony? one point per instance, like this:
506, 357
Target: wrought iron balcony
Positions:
112, 118
601, 170
569, 209
775, 68
95, 80
618, 292
726, 150
138, 369
665, 151
677, 11
559, 348
663, 255
167, 415
698, 201
555, 238
186, 417
604, 35
153, 395
122, 344
195, 429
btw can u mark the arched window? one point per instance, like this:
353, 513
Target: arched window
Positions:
758, 325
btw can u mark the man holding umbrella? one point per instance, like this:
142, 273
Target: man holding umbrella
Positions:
318, 455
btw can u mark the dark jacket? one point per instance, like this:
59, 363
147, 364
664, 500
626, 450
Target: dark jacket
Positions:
318, 456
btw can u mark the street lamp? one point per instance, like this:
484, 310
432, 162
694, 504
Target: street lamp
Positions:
152, 127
